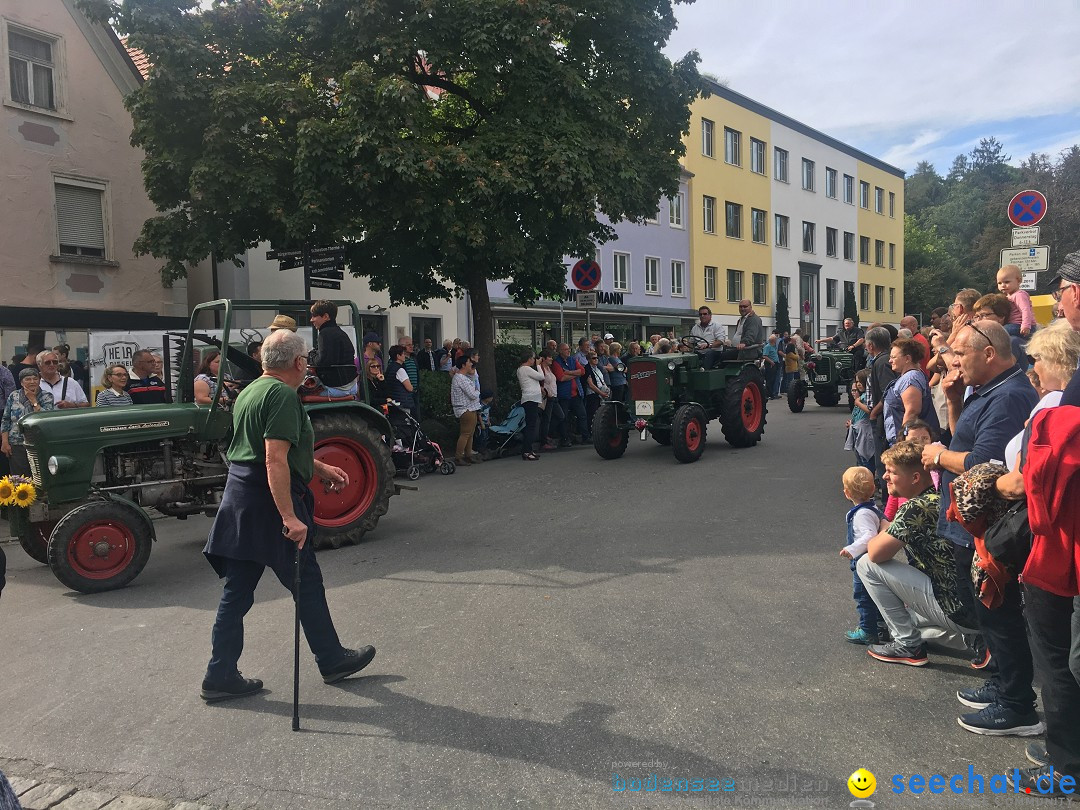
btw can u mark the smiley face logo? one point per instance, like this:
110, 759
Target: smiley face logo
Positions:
862, 783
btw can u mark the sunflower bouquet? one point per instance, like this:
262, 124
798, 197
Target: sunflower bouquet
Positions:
17, 490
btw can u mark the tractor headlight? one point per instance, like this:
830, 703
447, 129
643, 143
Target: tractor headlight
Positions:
58, 464
671, 365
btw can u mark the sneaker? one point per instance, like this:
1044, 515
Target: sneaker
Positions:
1037, 754
352, 661
999, 721
980, 653
235, 687
860, 636
1043, 781
896, 653
978, 697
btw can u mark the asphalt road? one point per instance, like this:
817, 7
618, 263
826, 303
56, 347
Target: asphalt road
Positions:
540, 627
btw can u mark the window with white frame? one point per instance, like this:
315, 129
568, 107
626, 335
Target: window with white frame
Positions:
757, 226
652, 275
780, 164
892, 204
830, 293
830, 182
864, 194
678, 270
757, 156
879, 298
864, 249
808, 174
849, 246
80, 218
32, 68
879, 252
733, 220
809, 233
761, 288
732, 147
892, 256
708, 214
620, 276
864, 296
675, 211
707, 129
849, 189
879, 199
734, 285
781, 226
830, 242
710, 283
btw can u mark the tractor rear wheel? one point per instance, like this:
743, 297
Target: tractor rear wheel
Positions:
344, 440
688, 433
609, 440
743, 416
796, 396
100, 546
827, 398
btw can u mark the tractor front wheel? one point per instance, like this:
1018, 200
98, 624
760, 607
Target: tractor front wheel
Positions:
34, 538
100, 546
688, 433
609, 440
743, 416
796, 396
345, 440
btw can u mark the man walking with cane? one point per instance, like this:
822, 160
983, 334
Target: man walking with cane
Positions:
266, 519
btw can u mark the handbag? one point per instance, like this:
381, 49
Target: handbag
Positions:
1009, 540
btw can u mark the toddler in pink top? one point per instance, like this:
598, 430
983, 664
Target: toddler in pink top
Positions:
1021, 320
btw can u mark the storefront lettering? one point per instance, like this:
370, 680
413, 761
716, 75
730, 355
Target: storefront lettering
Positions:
614, 299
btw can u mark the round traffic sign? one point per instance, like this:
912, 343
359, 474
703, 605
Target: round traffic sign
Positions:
585, 275
1027, 208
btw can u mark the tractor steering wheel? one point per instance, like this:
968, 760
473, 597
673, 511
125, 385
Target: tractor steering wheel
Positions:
694, 342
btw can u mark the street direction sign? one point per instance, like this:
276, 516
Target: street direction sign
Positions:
290, 264
1028, 259
1025, 237
586, 300
325, 283
585, 275
1027, 208
1030, 281
337, 271
284, 254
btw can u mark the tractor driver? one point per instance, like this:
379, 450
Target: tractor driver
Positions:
850, 338
711, 333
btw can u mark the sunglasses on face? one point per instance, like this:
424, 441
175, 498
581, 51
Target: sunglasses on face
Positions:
50, 362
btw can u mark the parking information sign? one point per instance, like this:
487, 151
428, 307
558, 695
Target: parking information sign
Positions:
586, 300
1030, 281
1028, 259
1025, 237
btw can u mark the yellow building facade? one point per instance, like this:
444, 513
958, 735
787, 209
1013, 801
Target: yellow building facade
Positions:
778, 208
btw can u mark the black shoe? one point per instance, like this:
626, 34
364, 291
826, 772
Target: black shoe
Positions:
978, 697
980, 653
896, 653
1044, 781
234, 688
351, 662
1037, 754
998, 721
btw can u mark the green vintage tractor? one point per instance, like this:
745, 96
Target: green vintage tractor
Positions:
673, 399
105, 475
830, 374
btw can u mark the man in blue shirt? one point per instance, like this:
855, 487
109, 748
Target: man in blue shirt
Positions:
772, 367
981, 426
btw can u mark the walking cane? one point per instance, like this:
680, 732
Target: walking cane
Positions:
296, 640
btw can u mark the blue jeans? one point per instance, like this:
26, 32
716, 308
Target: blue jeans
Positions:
1013, 329
789, 378
346, 391
865, 462
575, 407
869, 615
241, 578
772, 380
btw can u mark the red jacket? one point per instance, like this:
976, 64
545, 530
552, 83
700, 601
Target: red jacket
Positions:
1052, 483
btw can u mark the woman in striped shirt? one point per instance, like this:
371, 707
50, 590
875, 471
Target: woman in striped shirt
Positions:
115, 381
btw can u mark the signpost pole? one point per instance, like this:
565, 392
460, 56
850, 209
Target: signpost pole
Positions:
562, 324
307, 271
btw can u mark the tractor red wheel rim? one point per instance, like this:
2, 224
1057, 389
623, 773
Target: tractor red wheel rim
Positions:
335, 509
693, 435
616, 438
101, 549
751, 407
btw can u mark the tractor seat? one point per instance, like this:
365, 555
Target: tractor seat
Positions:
324, 398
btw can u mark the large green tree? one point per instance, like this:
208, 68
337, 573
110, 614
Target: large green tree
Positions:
446, 142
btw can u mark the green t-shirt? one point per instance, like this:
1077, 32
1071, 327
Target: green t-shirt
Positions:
268, 409
915, 525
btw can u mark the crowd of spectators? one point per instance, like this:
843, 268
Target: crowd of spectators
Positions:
965, 441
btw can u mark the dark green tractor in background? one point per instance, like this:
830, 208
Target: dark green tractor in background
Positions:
830, 373
673, 398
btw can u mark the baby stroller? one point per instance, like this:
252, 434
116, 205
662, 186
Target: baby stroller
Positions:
413, 451
505, 434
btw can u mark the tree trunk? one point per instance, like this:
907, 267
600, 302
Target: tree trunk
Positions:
483, 331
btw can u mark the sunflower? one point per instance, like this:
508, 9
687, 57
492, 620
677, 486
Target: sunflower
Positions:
7, 492
25, 494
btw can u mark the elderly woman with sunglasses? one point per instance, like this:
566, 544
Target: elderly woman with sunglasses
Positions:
28, 399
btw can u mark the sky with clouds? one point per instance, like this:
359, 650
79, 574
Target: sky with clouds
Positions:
904, 81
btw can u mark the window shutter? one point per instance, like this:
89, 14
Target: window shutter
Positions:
79, 217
